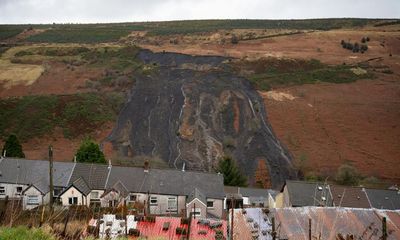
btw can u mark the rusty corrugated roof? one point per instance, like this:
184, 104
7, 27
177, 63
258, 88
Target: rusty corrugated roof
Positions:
328, 222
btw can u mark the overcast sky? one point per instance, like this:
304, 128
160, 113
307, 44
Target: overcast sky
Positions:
92, 11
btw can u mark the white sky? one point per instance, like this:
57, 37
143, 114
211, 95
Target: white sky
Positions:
92, 11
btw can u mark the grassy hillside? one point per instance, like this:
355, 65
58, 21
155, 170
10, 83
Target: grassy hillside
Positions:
267, 73
95, 33
34, 116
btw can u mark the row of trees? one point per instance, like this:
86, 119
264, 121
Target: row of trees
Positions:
89, 151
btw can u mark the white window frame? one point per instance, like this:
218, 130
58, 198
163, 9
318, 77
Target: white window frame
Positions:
95, 193
153, 201
71, 200
2, 190
32, 200
210, 201
172, 204
196, 212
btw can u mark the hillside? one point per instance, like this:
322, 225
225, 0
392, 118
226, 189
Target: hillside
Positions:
327, 105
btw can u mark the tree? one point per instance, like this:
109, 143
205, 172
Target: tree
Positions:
262, 175
89, 151
232, 175
347, 175
12, 147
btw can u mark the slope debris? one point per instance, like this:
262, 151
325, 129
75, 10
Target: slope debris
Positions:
191, 111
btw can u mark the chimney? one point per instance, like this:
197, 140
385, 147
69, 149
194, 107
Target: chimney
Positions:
146, 166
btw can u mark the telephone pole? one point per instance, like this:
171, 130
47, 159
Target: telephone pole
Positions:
51, 176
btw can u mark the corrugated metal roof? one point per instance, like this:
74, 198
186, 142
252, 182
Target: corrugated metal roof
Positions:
328, 222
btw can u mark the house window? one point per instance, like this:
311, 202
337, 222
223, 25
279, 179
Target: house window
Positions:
19, 191
196, 212
210, 204
153, 201
94, 195
2, 190
56, 192
172, 204
132, 198
73, 200
32, 200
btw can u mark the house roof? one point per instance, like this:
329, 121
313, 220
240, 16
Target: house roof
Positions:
81, 186
256, 192
354, 197
384, 199
167, 181
196, 193
95, 175
327, 222
34, 172
309, 194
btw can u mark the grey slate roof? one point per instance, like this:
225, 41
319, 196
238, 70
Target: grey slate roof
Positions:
34, 172
384, 199
82, 186
167, 181
308, 194
253, 193
95, 175
352, 197
196, 193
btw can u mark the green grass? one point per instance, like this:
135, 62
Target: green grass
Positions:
266, 74
23, 233
84, 33
97, 33
79, 114
8, 31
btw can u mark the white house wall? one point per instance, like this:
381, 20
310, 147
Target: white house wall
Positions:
32, 192
217, 208
162, 204
73, 192
11, 190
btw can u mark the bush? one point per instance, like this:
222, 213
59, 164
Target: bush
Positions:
234, 39
347, 175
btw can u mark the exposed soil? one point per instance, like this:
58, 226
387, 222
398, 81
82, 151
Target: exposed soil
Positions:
64, 148
324, 46
329, 124
58, 79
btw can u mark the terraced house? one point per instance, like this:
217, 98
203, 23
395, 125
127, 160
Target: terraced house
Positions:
160, 191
